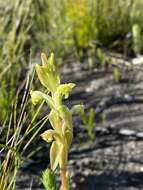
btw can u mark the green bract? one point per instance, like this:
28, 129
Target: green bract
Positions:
48, 73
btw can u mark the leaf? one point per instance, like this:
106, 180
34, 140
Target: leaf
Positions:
52, 62
91, 123
48, 100
64, 157
78, 110
47, 78
44, 60
66, 116
55, 154
55, 121
49, 180
68, 137
43, 77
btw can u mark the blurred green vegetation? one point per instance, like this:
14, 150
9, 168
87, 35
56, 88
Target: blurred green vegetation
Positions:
67, 27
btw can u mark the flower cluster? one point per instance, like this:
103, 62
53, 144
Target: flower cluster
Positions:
60, 116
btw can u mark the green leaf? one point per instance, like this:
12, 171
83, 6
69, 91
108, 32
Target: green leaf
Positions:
43, 77
44, 60
49, 180
52, 62
68, 137
66, 116
55, 121
91, 123
78, 110
48, 100
49, 64
64, 157
55, 154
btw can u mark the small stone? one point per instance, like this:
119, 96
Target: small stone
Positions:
128, 97
137, 60
127, 132
82, 179
73, 185
72, 162
139, 135
86, 173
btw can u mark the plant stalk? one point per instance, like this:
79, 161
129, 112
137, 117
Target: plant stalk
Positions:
64, 179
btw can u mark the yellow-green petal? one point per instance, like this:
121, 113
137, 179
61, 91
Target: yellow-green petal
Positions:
36, 96
51, 135
55, 154
42, 75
